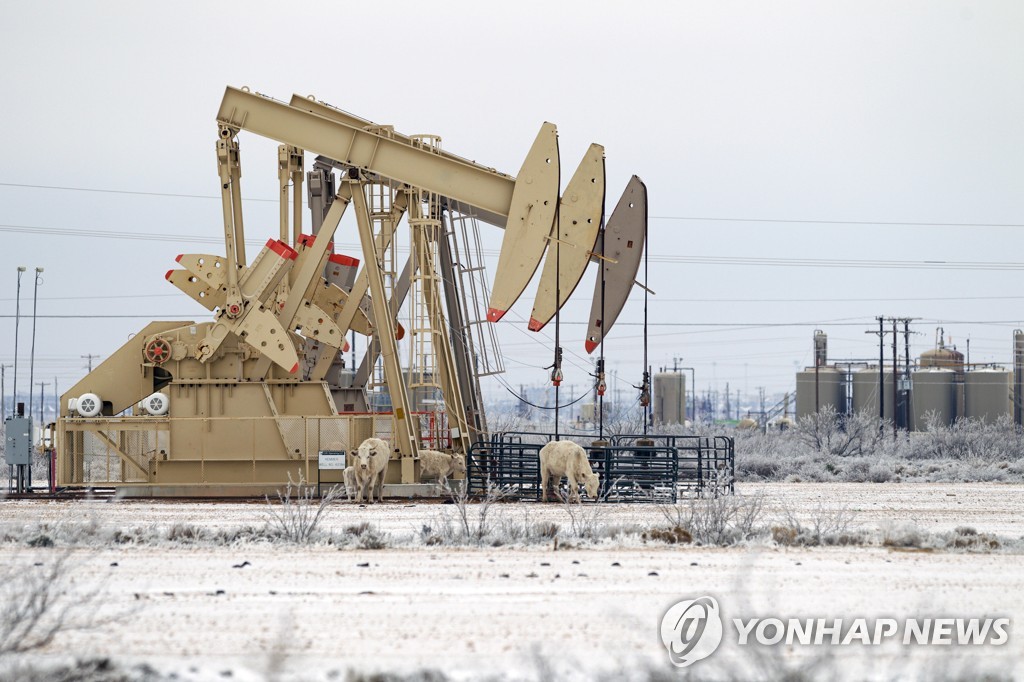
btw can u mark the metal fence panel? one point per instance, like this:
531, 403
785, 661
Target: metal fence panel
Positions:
513, 466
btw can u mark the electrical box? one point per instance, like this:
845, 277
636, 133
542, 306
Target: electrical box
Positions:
18, 443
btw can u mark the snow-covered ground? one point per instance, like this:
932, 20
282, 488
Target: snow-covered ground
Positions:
253, 610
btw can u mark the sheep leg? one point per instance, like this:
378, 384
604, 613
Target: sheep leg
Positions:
544, 485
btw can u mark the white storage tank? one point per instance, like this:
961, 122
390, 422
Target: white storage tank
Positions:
1018, 377
988, 394
669, 398
816, 390
933, 391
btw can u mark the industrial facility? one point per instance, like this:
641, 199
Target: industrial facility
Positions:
246, 401
938, 388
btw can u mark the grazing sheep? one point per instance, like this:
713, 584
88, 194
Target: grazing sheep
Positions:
350, 482
441, 465
370, 467
564, 458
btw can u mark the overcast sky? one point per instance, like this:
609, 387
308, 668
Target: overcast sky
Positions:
775, 138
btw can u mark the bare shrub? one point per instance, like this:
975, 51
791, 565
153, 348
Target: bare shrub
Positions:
969, 439
472, 522
710, 519
675, 535
373, 539
515, 524
757, 465
297, 515
825, 526
41, 601
81, 670
904, 535
186, 533
968, 538
839, 435
882, 471
585, 520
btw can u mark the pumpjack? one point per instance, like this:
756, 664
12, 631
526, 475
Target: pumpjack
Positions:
243, 401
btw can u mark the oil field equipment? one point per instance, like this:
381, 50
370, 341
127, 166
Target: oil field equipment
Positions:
988, 394
241, 402
670, 397
943, 387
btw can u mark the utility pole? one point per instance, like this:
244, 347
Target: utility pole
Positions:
900, 374
881, 371
88, 358
3, 392
906, 376
895, 383
763, 418
32, 357
42, 419
17, 323
905, 390
618, 390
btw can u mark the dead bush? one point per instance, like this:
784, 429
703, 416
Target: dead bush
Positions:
671, 536
297, 515
824, 526
44, 597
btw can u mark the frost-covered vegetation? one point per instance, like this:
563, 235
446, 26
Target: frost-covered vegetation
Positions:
747, 519
830, 447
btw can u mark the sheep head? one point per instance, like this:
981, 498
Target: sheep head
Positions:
590, 484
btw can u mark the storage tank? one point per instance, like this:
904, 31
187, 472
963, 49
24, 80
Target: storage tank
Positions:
831, 391
1018, 377
669, 398
934, 390
988, 394
865, 392
942, 357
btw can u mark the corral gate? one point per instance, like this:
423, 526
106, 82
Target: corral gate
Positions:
629, 472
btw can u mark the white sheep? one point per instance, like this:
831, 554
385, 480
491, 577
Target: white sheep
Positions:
370, 468
441, 465
564, 458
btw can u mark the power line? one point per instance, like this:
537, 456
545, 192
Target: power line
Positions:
887, 223
98, 298
124, 191
111, 234
881, 223
842, 263
831, 300
108, 317
668, 258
